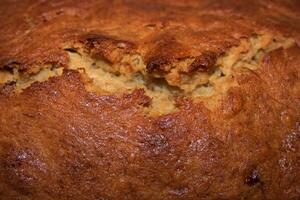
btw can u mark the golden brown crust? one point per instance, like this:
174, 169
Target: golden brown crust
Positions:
59, 141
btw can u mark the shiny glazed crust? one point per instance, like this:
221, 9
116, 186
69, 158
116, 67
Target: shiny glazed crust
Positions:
61, 140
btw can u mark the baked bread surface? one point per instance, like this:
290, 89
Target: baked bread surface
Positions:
149, 99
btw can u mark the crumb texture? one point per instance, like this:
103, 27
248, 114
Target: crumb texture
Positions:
131, 73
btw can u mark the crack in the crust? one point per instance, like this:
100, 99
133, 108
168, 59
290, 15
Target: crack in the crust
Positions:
22, 80
130, 74
106, 81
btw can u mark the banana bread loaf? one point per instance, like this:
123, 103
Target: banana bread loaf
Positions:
149, 99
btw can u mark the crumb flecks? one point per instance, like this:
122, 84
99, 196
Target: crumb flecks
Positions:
131, 73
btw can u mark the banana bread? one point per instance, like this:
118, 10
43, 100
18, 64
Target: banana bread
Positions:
149, 99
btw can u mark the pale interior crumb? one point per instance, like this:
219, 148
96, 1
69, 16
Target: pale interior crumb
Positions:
130, 74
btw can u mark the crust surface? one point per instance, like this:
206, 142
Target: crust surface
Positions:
162, 32
60, 139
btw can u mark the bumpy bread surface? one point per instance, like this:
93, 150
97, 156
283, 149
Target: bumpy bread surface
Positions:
149, 99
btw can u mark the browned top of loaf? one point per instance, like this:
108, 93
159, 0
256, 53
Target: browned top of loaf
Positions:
59, 141
163, 32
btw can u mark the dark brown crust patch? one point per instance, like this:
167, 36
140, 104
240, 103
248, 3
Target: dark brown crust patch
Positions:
203, 63
109, 49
